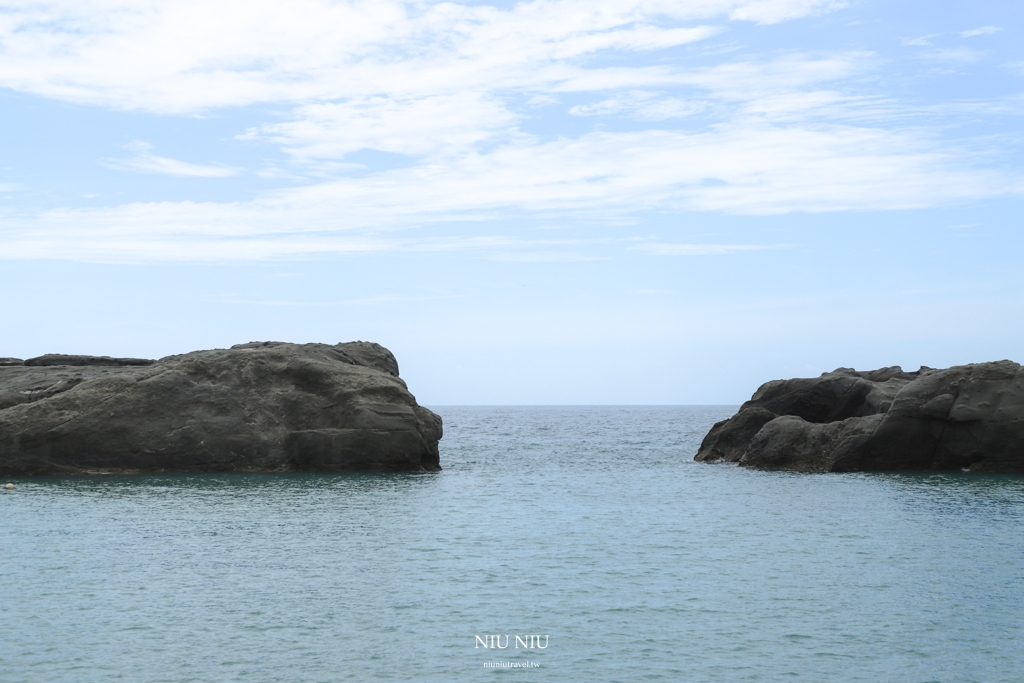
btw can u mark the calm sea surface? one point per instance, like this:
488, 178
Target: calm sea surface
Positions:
590, 526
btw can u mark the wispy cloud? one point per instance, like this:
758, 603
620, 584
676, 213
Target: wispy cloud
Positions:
982, 31
774, 11
669, 249
960, 55
380, 300
640, 104
147, 162
757, 169
122, 54
415, 126
450, 92
921, 41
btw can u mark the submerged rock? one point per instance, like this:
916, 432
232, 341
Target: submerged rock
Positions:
257, 407
966, 417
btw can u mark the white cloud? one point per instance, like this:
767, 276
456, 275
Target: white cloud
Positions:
662, 249
450, 88
961, 55
757, 169
365, 301
443, 126
762, 169
981, 31
414, 126
774, 11
640, 104
743, 81
129, 55
921, 41
147, 162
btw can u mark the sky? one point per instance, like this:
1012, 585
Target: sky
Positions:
545, 202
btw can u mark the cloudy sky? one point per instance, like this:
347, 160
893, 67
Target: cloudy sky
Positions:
560, 201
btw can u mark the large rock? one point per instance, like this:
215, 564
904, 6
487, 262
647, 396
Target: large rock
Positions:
52, 359
968, 417
258, 407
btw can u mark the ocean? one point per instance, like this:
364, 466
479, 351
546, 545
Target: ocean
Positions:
588, 532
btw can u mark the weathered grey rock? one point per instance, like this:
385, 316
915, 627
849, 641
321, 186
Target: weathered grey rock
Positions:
792, 443
728, 440
257, 407
11, 361
836, 395
103, 361
966, 417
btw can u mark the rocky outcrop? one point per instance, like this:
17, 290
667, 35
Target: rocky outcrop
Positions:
52, 359
969, 417
258, 407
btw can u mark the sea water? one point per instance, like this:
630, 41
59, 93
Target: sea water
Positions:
590, 527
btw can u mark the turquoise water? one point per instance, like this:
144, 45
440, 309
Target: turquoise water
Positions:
588, 525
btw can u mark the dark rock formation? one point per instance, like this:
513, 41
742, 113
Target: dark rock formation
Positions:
966, 417
52, 359
258, 407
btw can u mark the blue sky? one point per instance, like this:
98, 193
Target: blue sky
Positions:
623, 201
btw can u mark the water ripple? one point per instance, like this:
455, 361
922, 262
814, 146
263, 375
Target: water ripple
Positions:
590, 525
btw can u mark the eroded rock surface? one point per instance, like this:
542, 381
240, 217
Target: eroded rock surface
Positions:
257, 407
52, 359
965, 417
